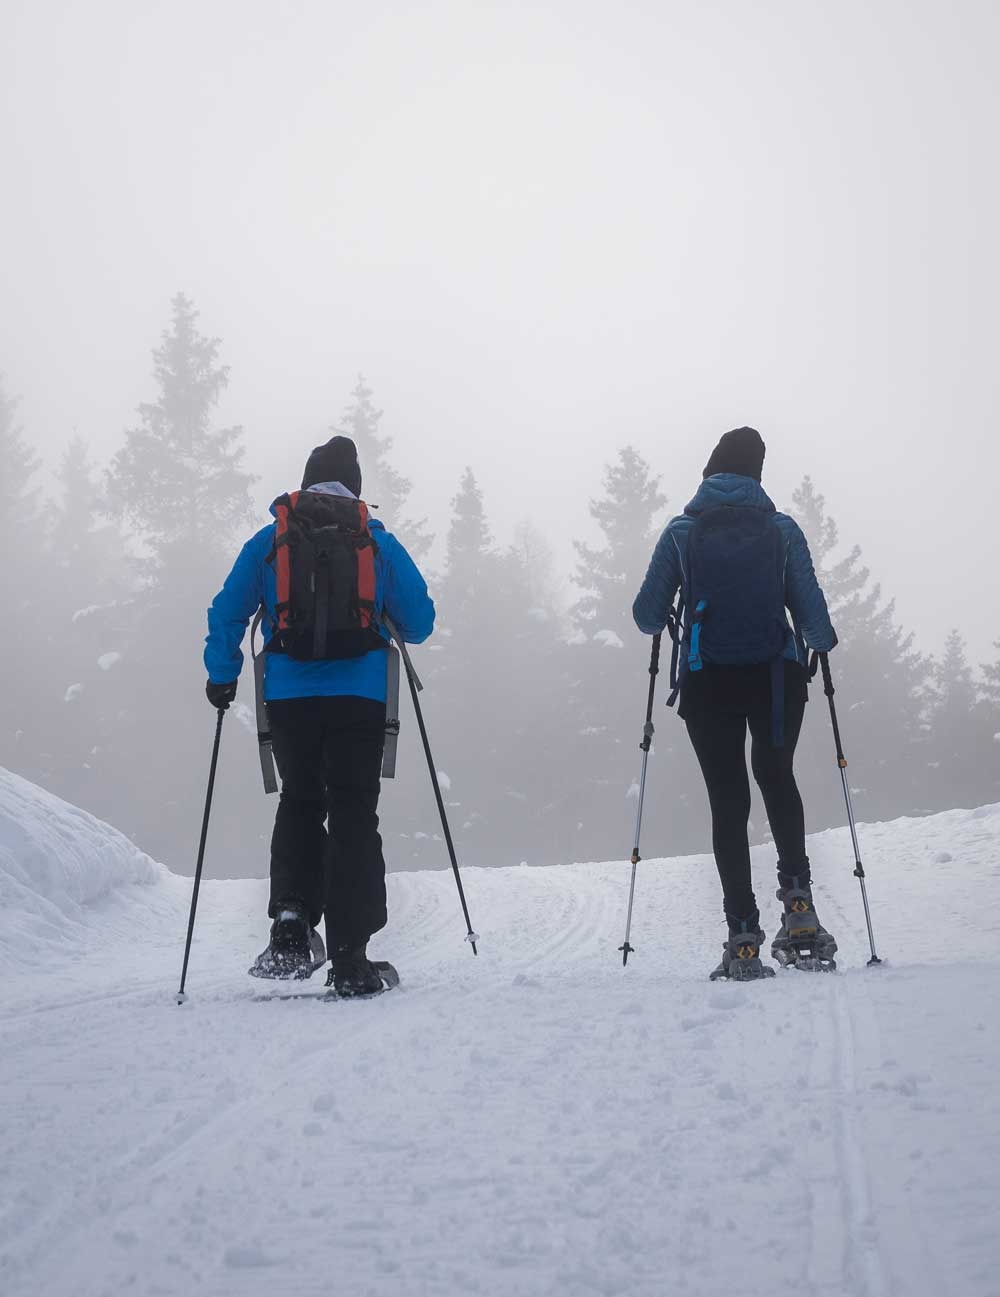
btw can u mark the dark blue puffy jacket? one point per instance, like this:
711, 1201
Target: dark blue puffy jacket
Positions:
399, 590
803, 596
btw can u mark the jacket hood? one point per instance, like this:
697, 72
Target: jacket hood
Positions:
324, 488
732, 489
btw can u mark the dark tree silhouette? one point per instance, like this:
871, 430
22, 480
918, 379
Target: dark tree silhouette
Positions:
607, 661
21, 542
627, 515
880, 677
383, 485
179, 484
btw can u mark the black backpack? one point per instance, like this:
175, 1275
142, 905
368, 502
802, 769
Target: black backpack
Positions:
324, 562
736, 587
733, 598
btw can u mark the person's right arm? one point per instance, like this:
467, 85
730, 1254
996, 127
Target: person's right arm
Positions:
656, 595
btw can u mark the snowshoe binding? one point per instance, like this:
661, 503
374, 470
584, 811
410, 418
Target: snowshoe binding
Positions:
741, 960
802, 942
353, 976
295, 950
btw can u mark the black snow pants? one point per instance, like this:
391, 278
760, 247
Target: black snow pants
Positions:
718, 705
326, 851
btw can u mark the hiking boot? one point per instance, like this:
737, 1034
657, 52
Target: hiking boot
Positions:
741, 960
802, 941
353, 973
295, 950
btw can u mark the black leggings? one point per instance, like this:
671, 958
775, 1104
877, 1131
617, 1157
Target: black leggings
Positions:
718, 705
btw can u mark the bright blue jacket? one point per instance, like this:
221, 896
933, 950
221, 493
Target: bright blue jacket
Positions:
399, 590
668, 567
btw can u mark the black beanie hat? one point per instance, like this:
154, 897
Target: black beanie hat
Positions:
337, 461
740, 451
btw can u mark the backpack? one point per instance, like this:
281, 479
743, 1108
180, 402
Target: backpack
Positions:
324, 562
734, 596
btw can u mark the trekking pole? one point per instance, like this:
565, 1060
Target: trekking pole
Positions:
415, 687
181, 994
859, 869
647, 740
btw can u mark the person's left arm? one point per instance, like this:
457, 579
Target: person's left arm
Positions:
404, 594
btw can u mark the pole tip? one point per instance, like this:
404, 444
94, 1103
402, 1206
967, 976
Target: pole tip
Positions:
472, 938
181, 997
873, 961
626, 951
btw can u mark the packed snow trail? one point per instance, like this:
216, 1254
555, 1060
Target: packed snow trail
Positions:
535, 1121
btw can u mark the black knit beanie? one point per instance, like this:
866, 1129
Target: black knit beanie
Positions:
740, 451
337, 461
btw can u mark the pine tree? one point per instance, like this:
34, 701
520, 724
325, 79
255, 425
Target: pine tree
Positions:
991, 680
18, 507
179, 483
532, 771
457, 700
89, 582
627, 515
880, 677
86, 548
493, 692
20, 582
532, 552
844, 580
470, 556
954, 687
988, 717
607, 661
964, 760
383, 486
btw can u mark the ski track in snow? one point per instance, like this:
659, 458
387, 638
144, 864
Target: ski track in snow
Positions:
537, 1120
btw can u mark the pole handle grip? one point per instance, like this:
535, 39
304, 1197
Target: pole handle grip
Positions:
404, 653
824, 662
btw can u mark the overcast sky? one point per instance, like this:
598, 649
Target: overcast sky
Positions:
541, 231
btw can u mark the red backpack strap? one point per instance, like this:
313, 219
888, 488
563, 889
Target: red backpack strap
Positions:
366, 570
283, 507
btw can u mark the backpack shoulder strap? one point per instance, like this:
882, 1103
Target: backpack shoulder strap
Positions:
283, 507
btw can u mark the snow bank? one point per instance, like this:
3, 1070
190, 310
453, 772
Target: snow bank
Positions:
54, 860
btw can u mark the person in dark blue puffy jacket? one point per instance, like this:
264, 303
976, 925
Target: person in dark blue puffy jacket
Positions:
327, 721
719, 702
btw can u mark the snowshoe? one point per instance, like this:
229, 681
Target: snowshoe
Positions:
353, 976
802, 942
741, 960
294, 951
388, 978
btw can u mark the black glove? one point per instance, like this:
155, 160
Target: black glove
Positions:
220, 695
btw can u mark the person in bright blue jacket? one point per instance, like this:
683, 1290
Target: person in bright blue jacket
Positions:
327, 721
720, 702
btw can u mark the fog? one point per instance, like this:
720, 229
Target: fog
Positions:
542, 233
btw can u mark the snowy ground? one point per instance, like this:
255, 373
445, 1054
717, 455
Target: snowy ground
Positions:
535, 1121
